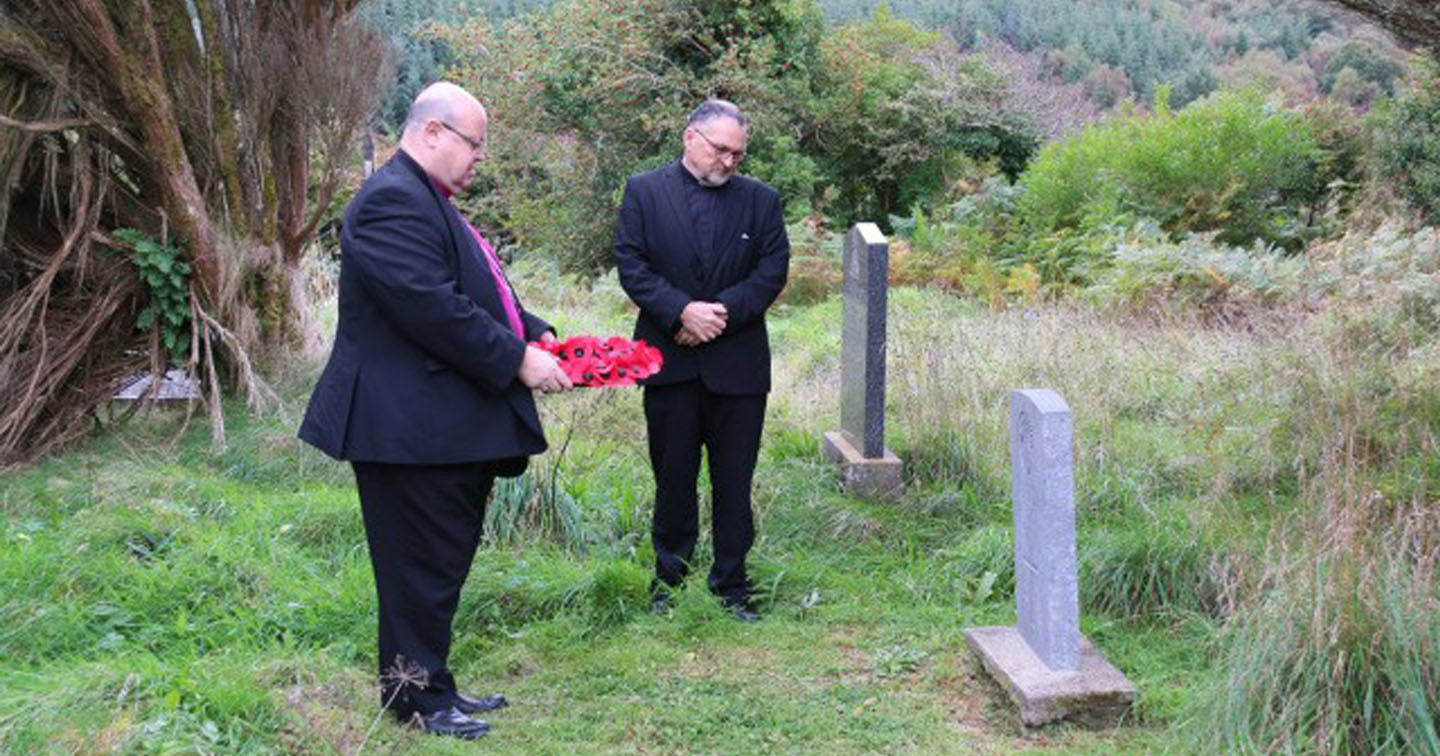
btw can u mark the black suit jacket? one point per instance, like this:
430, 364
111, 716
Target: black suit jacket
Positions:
660, 269
423, 366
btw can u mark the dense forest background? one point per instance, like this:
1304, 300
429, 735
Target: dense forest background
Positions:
906, 111
1112, 48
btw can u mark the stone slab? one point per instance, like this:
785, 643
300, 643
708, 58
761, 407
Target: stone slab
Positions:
862, 343
1096, 695
174, 386
1047, 590
866, 477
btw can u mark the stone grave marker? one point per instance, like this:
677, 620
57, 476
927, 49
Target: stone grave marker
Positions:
1049, 669
867, 468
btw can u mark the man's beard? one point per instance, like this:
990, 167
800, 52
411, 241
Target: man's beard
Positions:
713, 180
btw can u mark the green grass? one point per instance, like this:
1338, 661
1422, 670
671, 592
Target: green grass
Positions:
158, 596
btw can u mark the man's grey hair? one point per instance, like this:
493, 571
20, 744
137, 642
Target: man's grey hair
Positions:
710, 110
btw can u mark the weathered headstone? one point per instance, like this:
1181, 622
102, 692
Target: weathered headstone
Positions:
858, 447
1050, 670
1042, 475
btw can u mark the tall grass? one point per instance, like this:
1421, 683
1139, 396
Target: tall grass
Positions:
533, 507
1336, 649
1340, 653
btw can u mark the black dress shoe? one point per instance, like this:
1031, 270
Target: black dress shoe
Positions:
742, 609
452, 723
478, 704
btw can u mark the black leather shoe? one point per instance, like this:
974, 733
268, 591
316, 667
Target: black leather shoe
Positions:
743, 610
452, 723
479, 704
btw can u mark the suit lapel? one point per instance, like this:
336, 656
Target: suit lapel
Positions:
474, 278
447, 210
463, 245
467, 253
675, 195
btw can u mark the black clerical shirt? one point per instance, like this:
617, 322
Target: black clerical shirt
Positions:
704, 203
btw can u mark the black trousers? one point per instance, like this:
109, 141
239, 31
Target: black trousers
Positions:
423, 525
680, 419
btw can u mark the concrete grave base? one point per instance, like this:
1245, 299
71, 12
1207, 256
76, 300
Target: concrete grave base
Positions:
1096, 695
864, 477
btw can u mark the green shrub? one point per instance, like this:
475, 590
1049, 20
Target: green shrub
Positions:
1231, 163
1408, 145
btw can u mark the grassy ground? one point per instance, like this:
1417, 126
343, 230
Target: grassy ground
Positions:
156, 596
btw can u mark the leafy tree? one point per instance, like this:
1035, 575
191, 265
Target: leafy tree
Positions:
900, 114
878, 115
1366, 65
418, 54
1408, 147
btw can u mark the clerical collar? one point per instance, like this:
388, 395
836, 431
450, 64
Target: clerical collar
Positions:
690, 174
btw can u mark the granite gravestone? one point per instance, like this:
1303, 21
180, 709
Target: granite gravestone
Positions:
1049, 669
867, 468
1042, 474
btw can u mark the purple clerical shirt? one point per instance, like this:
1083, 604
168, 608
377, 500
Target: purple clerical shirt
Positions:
502, 286
507, 297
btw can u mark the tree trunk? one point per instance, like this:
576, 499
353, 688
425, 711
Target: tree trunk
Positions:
135, 63
282, 302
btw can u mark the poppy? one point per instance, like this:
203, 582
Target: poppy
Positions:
614, 361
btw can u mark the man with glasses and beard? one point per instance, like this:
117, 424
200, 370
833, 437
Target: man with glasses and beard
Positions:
703, 252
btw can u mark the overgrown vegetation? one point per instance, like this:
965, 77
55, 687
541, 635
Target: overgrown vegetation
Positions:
1409, 144
225, 603
1233, 164
857, 121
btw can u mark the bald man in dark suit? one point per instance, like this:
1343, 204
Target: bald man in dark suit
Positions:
427, 394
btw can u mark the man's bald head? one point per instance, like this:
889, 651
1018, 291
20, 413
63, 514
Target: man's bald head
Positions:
440, 101
445, 134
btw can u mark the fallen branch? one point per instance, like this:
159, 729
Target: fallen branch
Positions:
45, 126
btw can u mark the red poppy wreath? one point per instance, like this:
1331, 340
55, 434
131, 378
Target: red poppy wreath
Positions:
593, 361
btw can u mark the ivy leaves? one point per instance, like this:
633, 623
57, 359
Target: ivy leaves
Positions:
166, 274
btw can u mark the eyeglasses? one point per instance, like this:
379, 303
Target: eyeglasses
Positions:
476, 145
723, 152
